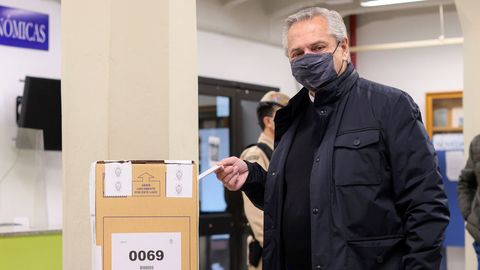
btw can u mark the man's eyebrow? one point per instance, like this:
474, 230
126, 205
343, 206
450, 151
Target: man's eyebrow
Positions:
318, 43
295, 50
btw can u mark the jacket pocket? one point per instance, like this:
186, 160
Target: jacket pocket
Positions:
357, 158
376, 253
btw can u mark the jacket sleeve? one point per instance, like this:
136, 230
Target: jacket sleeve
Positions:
419, 195
254, 186
467, 184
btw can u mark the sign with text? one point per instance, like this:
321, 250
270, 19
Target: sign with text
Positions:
23, 28
153, 251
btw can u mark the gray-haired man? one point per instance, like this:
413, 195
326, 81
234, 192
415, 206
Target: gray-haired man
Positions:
353, 182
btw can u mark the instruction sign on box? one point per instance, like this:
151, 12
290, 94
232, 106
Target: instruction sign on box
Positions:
144, 215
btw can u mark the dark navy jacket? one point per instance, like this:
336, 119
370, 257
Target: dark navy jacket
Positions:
376, 196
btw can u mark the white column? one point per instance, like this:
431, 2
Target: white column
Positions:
129, 91
468, 11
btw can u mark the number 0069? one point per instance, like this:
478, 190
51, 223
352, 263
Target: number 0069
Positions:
142, 255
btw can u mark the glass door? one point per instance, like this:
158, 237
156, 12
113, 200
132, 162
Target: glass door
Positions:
227, 123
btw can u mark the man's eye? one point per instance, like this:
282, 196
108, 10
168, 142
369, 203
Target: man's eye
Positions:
318, 48
294, 55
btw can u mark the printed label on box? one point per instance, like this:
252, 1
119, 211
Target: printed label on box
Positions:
118, 179
179, 181
152, 251
145, 185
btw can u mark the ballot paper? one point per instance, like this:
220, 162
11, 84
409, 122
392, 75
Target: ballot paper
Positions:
209, 171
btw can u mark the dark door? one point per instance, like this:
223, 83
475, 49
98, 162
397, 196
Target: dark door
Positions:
227, 123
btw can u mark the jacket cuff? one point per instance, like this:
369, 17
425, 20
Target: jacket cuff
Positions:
256, 178
250, 178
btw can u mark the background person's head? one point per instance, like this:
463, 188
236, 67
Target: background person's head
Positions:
267, 107
317, 30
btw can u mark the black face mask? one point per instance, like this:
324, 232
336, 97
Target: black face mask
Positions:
314, 70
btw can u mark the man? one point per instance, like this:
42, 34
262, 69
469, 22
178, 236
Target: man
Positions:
353, 182
261, 153
469, 194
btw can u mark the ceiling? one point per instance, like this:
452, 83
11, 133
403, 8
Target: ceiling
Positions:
282, 8
262, 20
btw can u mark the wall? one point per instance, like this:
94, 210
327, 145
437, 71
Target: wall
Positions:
230, 58
418, 70
130, 92
242, 43
16, 63
31, 252
468, 13
214, 16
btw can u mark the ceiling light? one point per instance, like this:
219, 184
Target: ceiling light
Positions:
375, 3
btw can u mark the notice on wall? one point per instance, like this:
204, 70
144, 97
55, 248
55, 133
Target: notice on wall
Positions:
23, 28
454, 162
448, 141
147, 251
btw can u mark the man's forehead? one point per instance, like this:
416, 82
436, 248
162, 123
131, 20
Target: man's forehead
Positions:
317, 22
308, 28
308, 32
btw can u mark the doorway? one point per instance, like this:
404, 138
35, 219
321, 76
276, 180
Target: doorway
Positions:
227, 124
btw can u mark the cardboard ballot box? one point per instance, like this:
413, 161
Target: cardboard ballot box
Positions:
144, 215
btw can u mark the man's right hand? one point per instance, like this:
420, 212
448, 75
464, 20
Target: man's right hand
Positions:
232, 173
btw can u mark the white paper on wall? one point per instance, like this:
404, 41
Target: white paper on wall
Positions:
454, 164
448, 141
457, 117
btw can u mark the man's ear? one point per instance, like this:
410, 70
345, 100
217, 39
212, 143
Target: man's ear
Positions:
267, 121
345, 49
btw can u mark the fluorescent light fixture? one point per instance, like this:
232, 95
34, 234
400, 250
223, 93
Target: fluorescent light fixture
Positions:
375, 3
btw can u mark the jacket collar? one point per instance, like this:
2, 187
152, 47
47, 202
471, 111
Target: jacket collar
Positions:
335, 89
329, 94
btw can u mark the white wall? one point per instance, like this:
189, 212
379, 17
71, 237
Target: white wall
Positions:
16, 63
419, 70
246, 20
242, 44
229, 58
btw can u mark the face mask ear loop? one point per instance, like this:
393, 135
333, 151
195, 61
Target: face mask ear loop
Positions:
338, 43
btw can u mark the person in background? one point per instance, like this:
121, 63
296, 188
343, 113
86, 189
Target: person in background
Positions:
261, 153
469, 194
353, 182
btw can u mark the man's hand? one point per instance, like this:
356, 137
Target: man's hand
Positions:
232, 173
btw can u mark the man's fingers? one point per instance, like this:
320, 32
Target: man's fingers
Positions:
228, 161
230, 184
229, 172
224, 171
228, 177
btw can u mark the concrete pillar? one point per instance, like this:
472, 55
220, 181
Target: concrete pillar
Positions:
129, 91
470, 21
